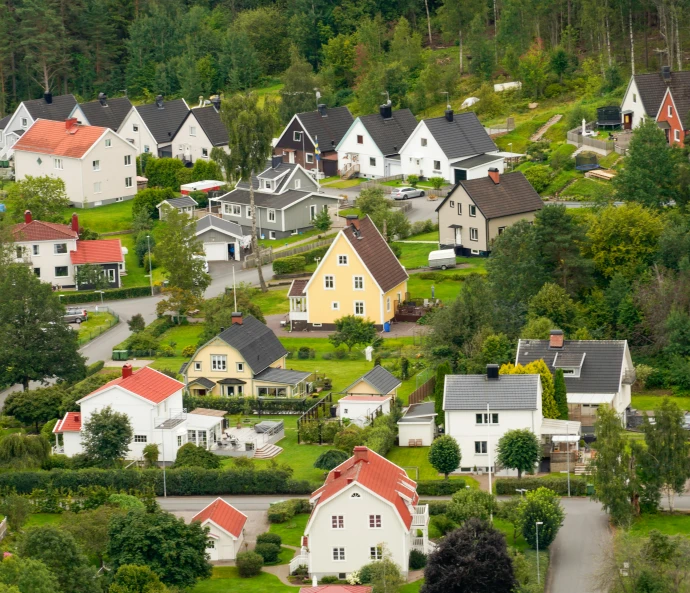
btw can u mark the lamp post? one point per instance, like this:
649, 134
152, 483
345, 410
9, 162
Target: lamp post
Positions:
538, 523
148, 246
488, 449
511, 158
567, 449
100, 291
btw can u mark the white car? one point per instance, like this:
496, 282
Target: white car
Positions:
404, 193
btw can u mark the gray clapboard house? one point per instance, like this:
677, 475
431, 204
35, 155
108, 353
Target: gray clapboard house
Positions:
286, 197
223, 240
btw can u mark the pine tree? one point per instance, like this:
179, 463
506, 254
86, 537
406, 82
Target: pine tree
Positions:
560, 394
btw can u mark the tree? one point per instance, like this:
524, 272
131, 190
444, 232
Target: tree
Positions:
145, 202
533, 71
511, 511
537, 367
439, 386
17, 510
136, 323
322, 221
35, 342
179, 301
519, 449
386, 576
542, 505
537, 328
176, 552
163, 173
350, 437
131, 578
559, 62
351, 330
21, 451
391, 222
445, 455
151, 454
554, 303
468, 503
330, 459
91, 276
36, 406
44, 196
472, 559
90, 528
560, 394
250, 134
106, 436
190, 455
372, 199
299, 82
28, 575
58, 550
218, 311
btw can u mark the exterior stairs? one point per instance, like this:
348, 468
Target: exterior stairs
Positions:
267, 452
582, 470
541, 131
350, 171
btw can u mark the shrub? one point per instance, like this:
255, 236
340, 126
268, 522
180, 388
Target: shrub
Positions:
436, 182
413, 180
269, 538
329, 580
201, 197
150, 262
188, 351
116, 294
423, 226
539, 177
147, 199
189, 455
643, 373
507, 486
93, 368
289, 265
444, 524
365, 573
436, 507
330, 459
311, 256
269, 552
553, 90
304, 353
282, 512
471, 503
249, 564
417, 560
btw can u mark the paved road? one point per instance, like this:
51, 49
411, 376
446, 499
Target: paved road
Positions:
186, 504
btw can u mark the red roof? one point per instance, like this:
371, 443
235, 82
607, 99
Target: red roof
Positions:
55, 138
70, 423
224, 515
106, 251
38, 230
147, 383
336, 589
365, 398
375, 473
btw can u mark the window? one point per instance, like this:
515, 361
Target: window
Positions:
335, 305
128, 160
312, 212
119, 199
358, 282
342, 260
484, 418
388, 303
473, 210
36, 249
634, 98
146, 148
59, 248
249, 212
375, 553
424, 141
139, 438
355, 495
452, 204
501, 230
179, 440
310, 157
210, 544
339, 554
360, 139
61, 272
192, 130
108, 142
372, 161
135, 127
97, 187
437, 165
110, 275
480, 447
374, 521
459, 209
197, 366
128, 182
474, 234
676, 135
57, 163
204, 153
19, 252
359, 308
234, 209
25, 122
297, 136
329, 282
240, 367
219, 362
670, 111
191, 436
96, 165
37, 272
271, 216
338, 522
272, 235
267, 184
298, 183
240, 389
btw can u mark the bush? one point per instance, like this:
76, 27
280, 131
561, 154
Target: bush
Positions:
188, 351
95, 367
539, 177
553, 90
201, 197
281, 512
507, 486
413, 180
329, 580
235, 405
116, 294
311, 256
436, 507
440, 487
249, 564
269, 552
423, 226
444, 524
537, 151
330, 459
189, 455
436, 182
269, 538
147, 199
365, 574
417, 560
163, 173
289, 265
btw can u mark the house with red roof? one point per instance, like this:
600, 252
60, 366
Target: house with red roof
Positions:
367, 506
56, 253
153, 402
97, 165
225, 529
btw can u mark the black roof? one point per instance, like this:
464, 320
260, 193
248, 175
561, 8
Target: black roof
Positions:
203, 381
210, 122
328, 128
109, 114
58, 110
652, 88
255, 341
464, 136
390, 134
266, 200
163, 122
602, 367
477, 161
216, 223
181, 202
4, 120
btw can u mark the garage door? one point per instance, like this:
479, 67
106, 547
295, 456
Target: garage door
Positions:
216, 251
393, 168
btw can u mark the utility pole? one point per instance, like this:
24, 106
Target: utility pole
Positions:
148, 246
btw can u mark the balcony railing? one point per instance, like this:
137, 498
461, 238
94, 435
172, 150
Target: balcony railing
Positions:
297, 561
417, 544
420, 516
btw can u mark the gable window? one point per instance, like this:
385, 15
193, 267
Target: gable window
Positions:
359, 308
634, 97
374, 521
210, 544
297, 136
486, 418
338, 522
424, 143
180, 439
146, 148
310, 157
437, 165
480, 447
358, 282
335, 305
388, 303
670, 111
375, 552
128, 160
501, 230
36, 249
240, 367
96, 165
97, 187
355, 495
459, 208
474, 234
271, 216
204, 153
473, 210
59, 248
372, 161
135, 127
676, 135
140, 438
25, 122
219, 362
57, 163
339, 554
360, 139
329, 282
298, 183
61, 272
342, 260
192, 130
197, 366
128, 182
108, 142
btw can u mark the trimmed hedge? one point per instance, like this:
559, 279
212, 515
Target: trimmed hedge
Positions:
92, 369
116, 294
235, 405
310, 256
281, 512
440, 487
436, 507
289, 265
578, 486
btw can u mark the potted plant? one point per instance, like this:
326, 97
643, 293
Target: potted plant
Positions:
474, 470
239, 421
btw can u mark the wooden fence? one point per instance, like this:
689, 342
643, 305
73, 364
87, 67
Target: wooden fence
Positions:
577, 139
421, 393
250, 260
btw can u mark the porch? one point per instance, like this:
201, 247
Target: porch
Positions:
257, 441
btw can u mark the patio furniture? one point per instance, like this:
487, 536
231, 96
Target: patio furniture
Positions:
411, 443
418, 443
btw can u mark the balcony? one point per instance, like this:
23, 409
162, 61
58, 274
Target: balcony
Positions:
420, 515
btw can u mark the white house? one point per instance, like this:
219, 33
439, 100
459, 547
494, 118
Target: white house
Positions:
200, 132
369, 396
371, 147
417, 427
97, 165
184, 205
104, 112
455, 147
226, 529
222, 240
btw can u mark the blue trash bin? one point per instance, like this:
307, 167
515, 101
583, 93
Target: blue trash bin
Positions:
387, 326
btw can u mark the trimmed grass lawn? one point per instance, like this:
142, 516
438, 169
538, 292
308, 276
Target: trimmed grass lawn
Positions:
607, 161
348, 211
104, 219
411, 457
183, 336
40, 519
136, 276
95, 325
507, 529
273, 302
412, 587
430, 236
172, 363
291, 531
226, 579
676, 524
446, 283
346, 183
402, 183
415, 255
588, 189
277, 243
651, 402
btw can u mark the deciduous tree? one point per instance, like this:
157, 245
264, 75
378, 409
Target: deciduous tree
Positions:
178, 302
541, 505
131, 578
470, 503
36, 406
44, 196
537, 367
17, 510
330, 459
28, 575
445, 455
519, 449
560, 394
90, 528
351, 331
190, 455
106, 436
91, 275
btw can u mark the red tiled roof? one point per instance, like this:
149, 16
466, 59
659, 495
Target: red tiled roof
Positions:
105, 251
53, 137
224, 515
364, 398
147, 383
336, 589
375, 473
38, 230
70, 423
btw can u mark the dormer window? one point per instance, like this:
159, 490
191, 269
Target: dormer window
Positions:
25, 122
298, 183
424, 141
267, 184
570, 363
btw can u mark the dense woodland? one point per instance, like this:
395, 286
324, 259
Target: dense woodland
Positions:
352, 50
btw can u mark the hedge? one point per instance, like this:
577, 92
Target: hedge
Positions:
92, 369
440, 487
578, 486
311, 256
116, 294
187, 481
436, 507
289, 265
281, 512
235, 405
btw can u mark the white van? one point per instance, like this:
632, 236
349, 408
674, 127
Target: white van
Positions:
442, 258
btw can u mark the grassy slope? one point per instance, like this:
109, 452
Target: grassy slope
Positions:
136, 275
588, 189
291, 531
289, 240
95, 325
104, 219
225, 578
650, 402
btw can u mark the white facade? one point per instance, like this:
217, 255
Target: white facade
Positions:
366, 153
416, 431
134, 130
222, 545
20, 120
632, 103
361, 408
50, 260
190, 143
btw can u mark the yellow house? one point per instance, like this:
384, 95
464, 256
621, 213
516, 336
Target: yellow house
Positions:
245, 359
359, 275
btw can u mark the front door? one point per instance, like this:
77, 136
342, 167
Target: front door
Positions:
460, 175
627, 121
231, 251
291, 157
458, 236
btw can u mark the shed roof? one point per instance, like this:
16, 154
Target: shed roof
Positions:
380, 379
182, 202
210, 222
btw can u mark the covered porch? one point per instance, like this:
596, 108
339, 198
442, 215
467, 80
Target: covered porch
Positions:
204, 427
298, 301
582, 407
273, 382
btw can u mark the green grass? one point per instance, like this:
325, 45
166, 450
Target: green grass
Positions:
415, 255
104, 219
172, 363
341, 372
321, 345
507, 529
559, 181
272, 302
676, 524
346, 183
412, 587
226, 578
402, 183
349, 211
410, 457
183, 336
651, 402
284, 557
136, 275
588, 189
95, 325
291, 531
40, 519
278, 243
607, 161
430, 236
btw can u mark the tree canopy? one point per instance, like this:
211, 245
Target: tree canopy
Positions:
106, 436
519, 449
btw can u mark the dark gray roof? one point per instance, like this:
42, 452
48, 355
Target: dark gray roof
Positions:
111, 115
59, 110
380, 379
163, 122
19, 132
182, 202
329, 129
264, 200
219, 224
474, 392
390, 134
255, 341
464, 136
477, 161
275, 172
652, 88
183, 368
424, 412
213, 126
207, 383
284, 376
568, 359
601, 370
4, 120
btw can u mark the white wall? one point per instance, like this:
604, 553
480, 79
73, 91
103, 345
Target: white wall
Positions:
26, 163
141, 139
366, 150
72, 443
360, 409
636, 106
226, 546
419, 160
409, 430
481, 171
47, 260
15, 122
184, 144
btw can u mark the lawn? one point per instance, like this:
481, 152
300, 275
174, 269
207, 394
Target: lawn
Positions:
225, 579
95, 325
346, 183
447, 289
182, 336
430, 236
402, 183
172, 363
279, 243
291, 531
411, 457
136, 275
676, 524
104, 219
412, 587
40, 519
588, 189
651, 402
272, 302
607, 161
415, 255
349, 211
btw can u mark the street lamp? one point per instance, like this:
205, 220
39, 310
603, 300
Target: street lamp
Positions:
101, 295
538, 523
148, 246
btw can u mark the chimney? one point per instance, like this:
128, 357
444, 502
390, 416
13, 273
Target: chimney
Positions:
336, 474
103, 99
27, 216
48, 97
556, 338
361, 454
449, 114
126, 371
215, 101
666, 73
77, 418
70, 123
322, 109
353, 221
492, 372
222, 329
159, 101
386, 110
236, 318
75, 223
495, 175
276, 161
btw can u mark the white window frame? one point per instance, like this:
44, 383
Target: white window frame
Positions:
298, 183
670, 111
97, 188
375, 553
329, 279
219, 362
360, 139
110, 274
271, 215
272, 235
388, 303
372, 161
25, 122
96, 165
108, 142
501, 230
248, 212
342, 260
474, 234
375, 522
337, 522
634, 97
312, 211
66, 268
236, 209
36, 249
473, 210
486, 418
424, 141
338, 554
197, 366
335, 306
140, 438
459, 209
676, 135
364, 310
55, 249
483, 448
192, 131
309, 157
297, 136
128, 160
210, 544
128, 182
437, 165
239, 367
57, 163
146, 148
358, 280
204, 153
180, 441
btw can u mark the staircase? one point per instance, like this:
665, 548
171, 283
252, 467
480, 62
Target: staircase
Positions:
541, 131
582, 470
350, 171
268, 452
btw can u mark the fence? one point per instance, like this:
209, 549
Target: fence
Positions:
250, 260
266, 258
86, 335
3, 528
423, 392
320, 407
576, 138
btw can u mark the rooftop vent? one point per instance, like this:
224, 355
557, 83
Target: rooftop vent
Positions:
159, 101
322, 109
386, 110
666, 73
492, 372
215, 101
103, 99
449, 114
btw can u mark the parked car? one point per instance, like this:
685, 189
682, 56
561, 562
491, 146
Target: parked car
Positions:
404, 193
73, 315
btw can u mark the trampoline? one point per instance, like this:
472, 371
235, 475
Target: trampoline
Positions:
586, 161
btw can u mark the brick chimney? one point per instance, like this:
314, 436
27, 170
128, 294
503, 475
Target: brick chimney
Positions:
75, 223
77, 418
236, 318
495, 175
27, 216
556, 338
353, 220
70, 123
361, 454
126, 371
336, 474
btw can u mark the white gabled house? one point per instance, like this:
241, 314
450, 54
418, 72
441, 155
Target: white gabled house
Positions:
225, 529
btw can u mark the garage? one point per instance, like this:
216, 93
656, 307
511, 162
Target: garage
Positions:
216, 251
222, 240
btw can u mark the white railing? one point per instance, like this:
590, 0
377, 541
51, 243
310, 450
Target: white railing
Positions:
298, 315
58, 450
420, 517
297, 561
418, 544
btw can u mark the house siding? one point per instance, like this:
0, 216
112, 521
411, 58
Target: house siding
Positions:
632, 102
47, 260
287, 141
190, 148
448, 215
141, 139
673, 120
363, 152
226, 546
15, 123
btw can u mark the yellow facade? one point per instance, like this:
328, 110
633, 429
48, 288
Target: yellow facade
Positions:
363, 388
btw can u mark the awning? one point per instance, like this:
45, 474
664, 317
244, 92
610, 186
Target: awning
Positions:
554, 427
565, 438
664, 125
590, 398
231, 382
454, 226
